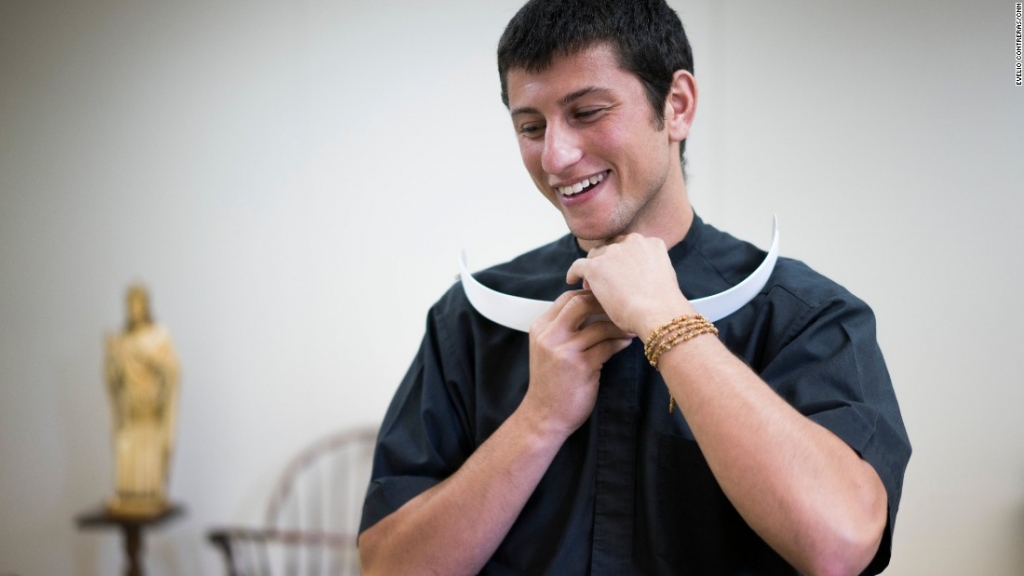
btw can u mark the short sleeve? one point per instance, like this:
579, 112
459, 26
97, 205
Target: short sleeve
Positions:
828, 365
423, 437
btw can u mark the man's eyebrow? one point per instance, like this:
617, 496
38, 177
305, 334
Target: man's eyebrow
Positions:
524, 110
564, 100
572, 96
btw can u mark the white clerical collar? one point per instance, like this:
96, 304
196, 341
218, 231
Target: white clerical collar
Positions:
519, 313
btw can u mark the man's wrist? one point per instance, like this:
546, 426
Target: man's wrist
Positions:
679, 330
655, 319
537, 424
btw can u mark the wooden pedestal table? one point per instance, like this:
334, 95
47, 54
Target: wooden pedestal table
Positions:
133, 528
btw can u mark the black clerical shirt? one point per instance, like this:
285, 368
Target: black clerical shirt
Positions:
630, 492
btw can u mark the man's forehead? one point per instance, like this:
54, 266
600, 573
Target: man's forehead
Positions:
602, 51
595, 69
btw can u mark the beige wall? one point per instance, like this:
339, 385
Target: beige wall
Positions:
295, 179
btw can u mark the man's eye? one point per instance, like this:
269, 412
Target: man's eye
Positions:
531, 130
588, 114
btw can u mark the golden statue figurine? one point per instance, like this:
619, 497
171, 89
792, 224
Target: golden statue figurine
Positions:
142, 378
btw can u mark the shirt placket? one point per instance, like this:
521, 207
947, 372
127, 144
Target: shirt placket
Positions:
615, 477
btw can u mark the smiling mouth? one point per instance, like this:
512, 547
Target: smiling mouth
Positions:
582, 185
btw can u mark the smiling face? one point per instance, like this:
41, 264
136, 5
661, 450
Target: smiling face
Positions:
589, 141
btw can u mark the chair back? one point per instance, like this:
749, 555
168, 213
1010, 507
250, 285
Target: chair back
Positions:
323, 487
316, 506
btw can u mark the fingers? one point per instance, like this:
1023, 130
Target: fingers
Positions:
578, 271
571, 309
549, 316
596, 331
579, 312
587, 335
580, 307
558, 305
600, 353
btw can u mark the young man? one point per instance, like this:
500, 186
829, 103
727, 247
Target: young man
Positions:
770, 443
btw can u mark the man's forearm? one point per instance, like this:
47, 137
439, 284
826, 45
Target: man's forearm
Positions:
800, 487
456, 526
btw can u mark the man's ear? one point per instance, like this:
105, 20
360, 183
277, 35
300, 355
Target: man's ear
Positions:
680, 105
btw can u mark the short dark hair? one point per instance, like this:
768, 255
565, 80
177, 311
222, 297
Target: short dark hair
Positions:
647, 37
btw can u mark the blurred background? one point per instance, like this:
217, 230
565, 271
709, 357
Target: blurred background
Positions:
294, 180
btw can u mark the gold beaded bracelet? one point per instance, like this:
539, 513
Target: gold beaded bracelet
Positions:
673, 332
686, 320
681, 336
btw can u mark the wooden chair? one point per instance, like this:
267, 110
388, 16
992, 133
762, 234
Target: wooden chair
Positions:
313, 516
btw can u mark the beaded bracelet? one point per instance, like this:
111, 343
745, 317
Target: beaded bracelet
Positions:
681, 336
685, 320
673, 332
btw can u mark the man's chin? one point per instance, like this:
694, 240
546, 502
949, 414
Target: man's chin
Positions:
592, 237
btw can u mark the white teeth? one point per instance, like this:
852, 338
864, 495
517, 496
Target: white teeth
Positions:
581, 185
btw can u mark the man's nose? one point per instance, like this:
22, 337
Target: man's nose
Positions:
561, 149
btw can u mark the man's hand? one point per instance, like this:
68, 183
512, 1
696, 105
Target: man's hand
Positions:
801, 488
477, 505
634, 281
566, 356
